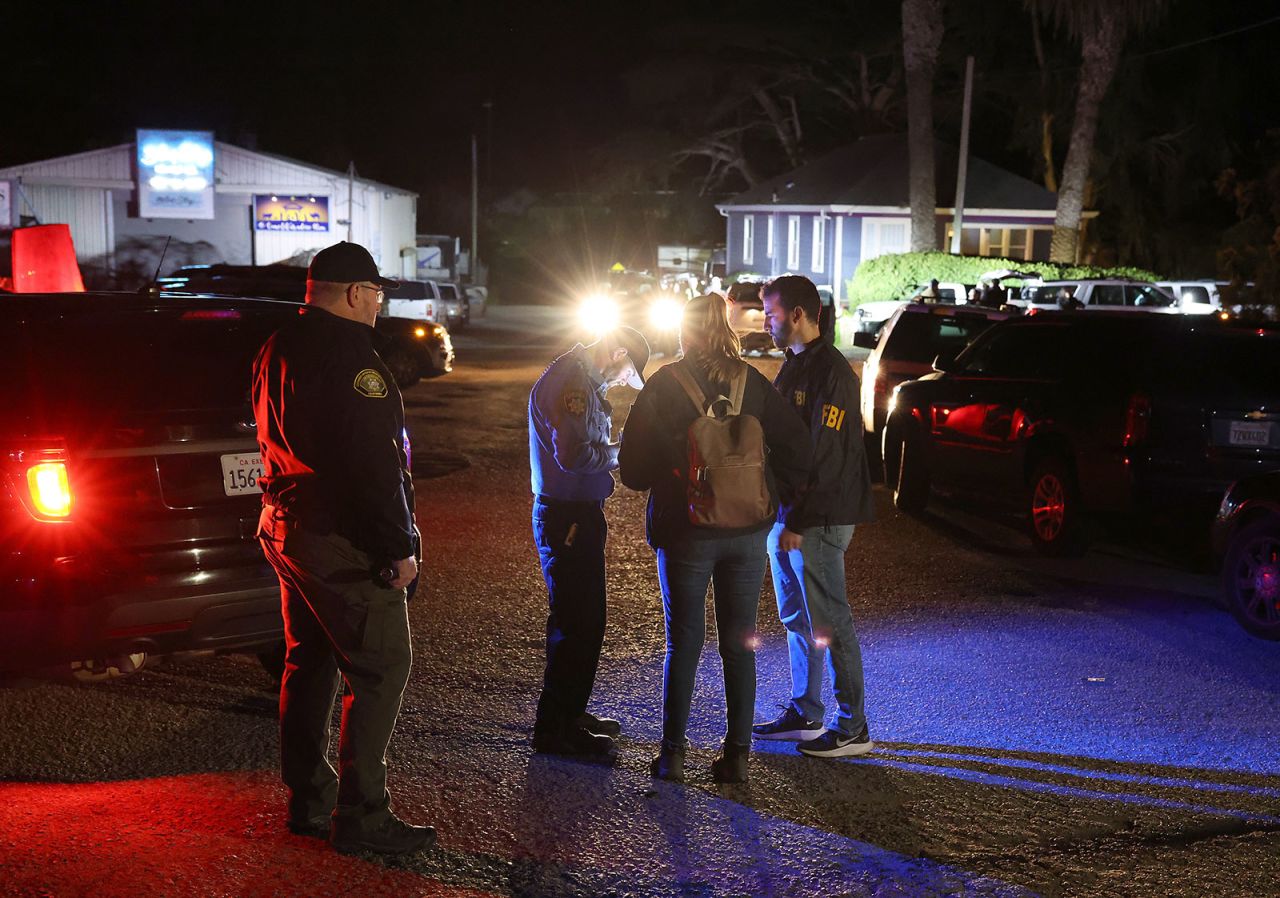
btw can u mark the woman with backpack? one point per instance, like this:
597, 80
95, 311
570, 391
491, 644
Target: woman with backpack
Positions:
716, 446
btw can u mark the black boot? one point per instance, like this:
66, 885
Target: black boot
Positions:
731, 766
668, 765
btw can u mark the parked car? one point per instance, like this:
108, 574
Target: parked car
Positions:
417, 301
477, 300
745, 309
128, 480
414, 349
907, 345
457, 305
1064, 415
1195, 297
1246, 538
869, 317
1115, 294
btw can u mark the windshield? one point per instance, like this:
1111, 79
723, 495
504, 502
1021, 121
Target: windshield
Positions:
919, 338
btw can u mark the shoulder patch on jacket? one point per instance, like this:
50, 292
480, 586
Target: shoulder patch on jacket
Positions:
575, 402
369, 383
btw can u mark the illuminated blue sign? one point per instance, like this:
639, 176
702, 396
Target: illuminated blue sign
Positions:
175, 174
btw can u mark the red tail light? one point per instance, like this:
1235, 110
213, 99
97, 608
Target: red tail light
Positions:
1137, 420
38, 477
50, 489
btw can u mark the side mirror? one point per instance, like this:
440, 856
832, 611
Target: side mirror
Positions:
865, 339
944, 361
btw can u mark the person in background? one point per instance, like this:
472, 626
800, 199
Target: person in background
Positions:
654, 457
807, 544
571, 457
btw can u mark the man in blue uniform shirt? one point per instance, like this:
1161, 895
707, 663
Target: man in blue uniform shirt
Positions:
571, 459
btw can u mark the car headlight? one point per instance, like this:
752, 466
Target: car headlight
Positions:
598, 313
665, 313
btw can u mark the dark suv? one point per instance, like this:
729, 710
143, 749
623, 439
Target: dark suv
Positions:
414, 349
128, 478
1062, 414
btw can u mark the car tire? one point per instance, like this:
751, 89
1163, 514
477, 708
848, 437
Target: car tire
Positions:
871, 442
404, 367
1055, 519
911, 473
1251, 577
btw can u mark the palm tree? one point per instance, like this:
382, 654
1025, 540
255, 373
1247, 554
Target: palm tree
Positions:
921, 38
1101, 27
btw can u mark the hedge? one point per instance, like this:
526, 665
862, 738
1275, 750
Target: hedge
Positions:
899, 275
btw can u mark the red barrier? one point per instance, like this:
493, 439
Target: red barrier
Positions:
44, 260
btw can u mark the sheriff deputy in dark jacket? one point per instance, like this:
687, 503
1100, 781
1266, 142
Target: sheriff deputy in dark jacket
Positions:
571, 457
808, 542
338, 527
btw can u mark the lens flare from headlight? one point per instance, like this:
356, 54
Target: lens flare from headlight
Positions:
598, 313
665, 313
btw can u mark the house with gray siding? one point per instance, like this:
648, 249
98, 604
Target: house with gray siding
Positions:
824, 218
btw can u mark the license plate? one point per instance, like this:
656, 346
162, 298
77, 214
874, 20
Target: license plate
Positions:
240, 473
1244, 434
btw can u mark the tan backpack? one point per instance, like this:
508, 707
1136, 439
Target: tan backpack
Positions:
726, 486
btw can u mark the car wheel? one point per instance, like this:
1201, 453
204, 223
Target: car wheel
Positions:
1055, 518
403, 367
871, 445
1251, 577
911, 475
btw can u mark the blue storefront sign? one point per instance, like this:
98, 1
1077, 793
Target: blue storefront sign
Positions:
175, 174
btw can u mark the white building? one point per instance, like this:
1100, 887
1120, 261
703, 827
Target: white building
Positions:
96, 193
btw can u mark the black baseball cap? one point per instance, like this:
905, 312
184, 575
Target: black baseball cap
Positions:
347, 263
637, 348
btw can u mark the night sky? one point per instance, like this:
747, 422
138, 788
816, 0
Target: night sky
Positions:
575, 86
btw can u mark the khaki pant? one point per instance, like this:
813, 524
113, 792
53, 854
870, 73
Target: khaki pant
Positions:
337, 619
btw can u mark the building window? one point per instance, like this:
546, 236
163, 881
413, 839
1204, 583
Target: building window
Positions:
793, 242
748, 239
885, 235
819, 257
768, 237
1001, 242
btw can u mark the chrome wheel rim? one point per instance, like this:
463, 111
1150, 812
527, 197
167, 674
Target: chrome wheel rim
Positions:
1258, 580
1048, 507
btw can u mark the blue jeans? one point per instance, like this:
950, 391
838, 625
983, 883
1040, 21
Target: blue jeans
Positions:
813, 606
735, 566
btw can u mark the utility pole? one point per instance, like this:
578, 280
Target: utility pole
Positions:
475, 212
351, 191
962, 174
488, 148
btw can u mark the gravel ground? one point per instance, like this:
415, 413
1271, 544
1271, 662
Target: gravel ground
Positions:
1087, 728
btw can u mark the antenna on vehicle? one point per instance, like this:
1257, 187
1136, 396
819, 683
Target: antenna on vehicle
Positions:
153, 289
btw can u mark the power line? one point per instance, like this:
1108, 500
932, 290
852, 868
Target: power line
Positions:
996, 76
